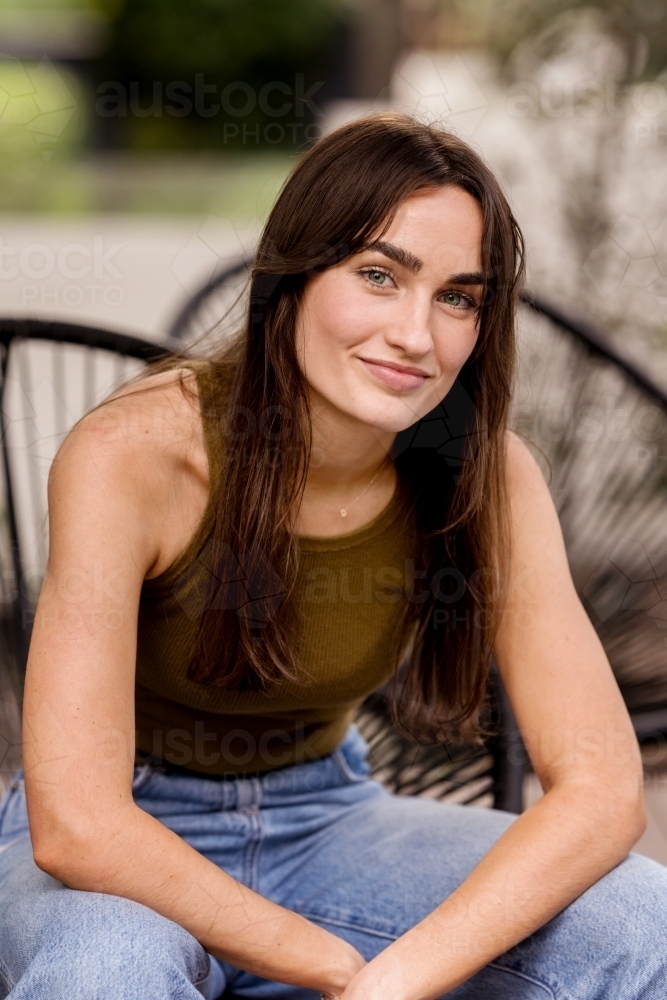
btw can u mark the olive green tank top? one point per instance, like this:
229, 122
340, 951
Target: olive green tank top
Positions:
350, 595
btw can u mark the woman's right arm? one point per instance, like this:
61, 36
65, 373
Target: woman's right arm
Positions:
113, 490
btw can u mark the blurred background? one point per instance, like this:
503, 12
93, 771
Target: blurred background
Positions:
163, 130
143, 142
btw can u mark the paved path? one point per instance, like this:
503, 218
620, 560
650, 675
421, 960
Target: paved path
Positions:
130, 273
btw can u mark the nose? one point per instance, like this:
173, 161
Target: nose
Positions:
411, 330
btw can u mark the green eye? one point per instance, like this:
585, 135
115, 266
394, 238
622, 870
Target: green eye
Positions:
376, 277
453, 298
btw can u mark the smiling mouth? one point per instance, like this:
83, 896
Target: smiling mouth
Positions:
405, 379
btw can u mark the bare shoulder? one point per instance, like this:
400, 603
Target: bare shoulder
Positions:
522, 466
139, 461
536, 529
526, 481
146, 429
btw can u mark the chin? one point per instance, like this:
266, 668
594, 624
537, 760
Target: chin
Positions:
390, 419
395, 413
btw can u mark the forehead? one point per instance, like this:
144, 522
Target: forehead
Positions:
438, 223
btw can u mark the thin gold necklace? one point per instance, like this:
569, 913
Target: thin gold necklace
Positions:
344, 510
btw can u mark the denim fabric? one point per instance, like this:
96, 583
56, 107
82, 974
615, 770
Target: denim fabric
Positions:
326, 840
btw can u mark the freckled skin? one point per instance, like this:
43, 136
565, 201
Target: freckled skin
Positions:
403, 317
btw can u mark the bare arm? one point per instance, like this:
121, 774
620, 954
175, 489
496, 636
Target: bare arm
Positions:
582, 745
116, 493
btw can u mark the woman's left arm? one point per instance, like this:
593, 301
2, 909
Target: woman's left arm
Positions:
582, 746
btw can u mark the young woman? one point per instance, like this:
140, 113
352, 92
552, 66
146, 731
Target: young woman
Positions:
241, 550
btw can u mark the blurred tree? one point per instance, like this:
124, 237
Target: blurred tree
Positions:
219, 73
378, 38
589, 88
500, 25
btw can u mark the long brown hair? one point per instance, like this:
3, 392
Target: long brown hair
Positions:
341, 195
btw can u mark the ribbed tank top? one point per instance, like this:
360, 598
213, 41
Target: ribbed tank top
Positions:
350, 595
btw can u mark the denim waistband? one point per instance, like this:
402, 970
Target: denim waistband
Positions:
347, 764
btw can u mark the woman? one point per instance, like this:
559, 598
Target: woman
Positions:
263, 540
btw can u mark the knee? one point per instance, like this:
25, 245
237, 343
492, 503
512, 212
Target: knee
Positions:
627, 906
627, 932
112, 946
614, 933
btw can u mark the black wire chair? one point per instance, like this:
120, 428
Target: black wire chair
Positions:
602, 424
51, 374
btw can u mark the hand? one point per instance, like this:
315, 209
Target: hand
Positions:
348, 963
363, 988
375, 982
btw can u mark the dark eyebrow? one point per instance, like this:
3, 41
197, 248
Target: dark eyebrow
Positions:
398, 254
468, 278
414, 264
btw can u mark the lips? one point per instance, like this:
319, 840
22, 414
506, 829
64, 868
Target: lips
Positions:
402, 379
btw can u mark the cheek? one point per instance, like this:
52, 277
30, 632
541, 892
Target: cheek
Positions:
455, 343
335, 315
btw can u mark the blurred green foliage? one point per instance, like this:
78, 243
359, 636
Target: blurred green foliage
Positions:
42, 111
40, 5
196, 49
233, 185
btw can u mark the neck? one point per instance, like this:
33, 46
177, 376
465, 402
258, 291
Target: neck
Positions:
350, 470
345, 453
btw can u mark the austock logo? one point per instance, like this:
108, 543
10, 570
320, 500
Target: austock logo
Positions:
236, 101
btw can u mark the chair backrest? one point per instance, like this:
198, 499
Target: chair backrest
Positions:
51, 374
602, 424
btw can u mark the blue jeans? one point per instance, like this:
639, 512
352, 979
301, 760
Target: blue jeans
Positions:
324, 839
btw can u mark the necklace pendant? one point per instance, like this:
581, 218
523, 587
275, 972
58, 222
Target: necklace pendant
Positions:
343, 513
